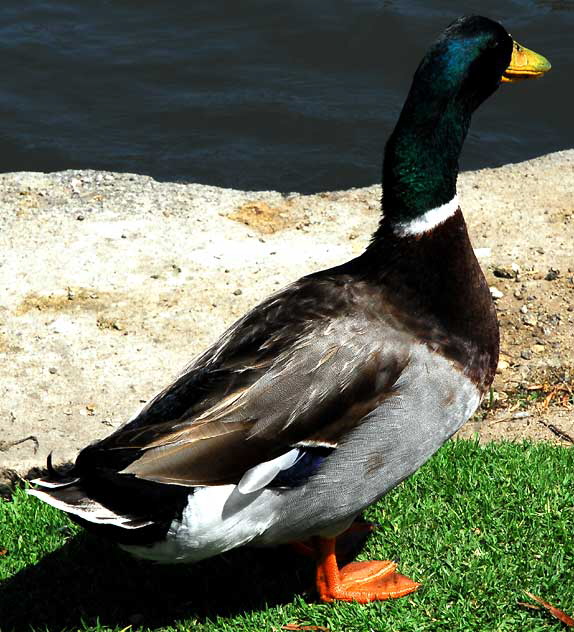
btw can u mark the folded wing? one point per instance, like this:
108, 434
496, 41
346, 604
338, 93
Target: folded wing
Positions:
300, 371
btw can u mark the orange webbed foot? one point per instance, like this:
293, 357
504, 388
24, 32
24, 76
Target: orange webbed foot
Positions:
362, 582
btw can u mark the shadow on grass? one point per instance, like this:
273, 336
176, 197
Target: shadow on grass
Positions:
89, 581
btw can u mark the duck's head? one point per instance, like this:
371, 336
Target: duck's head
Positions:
461, 69
470, 59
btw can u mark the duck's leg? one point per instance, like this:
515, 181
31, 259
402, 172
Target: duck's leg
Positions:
359, 581
351, 539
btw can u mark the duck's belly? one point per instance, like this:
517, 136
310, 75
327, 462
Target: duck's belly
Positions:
215, 520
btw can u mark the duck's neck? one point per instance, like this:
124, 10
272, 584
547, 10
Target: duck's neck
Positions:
421, 252
420, 167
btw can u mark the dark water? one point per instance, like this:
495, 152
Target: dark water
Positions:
293, 95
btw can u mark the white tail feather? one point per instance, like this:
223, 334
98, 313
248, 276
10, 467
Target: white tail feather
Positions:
90, 510
51, 485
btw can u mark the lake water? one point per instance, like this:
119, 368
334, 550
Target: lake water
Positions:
293, 95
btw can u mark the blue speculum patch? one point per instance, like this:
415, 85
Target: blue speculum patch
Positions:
307, 464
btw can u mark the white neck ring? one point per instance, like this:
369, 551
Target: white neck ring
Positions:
427, 221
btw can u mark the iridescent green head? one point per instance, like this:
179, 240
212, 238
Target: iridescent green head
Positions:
464, 64
463, 67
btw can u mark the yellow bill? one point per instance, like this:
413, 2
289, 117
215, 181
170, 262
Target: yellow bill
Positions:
525, 64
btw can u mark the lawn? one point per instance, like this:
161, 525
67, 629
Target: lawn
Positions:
477, 526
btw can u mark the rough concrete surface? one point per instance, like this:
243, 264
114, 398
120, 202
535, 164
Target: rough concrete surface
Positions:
111, 283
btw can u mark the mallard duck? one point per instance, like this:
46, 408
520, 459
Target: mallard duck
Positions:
332, 391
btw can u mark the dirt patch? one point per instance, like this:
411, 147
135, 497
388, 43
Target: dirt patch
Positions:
264, 218
73, 298
539, 407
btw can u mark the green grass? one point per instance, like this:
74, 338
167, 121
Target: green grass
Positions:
477, 525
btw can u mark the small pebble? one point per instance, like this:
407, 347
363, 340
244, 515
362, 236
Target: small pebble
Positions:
237, 292
495, 293
52, 370
502, 365
526, 354
524, 309
552, 274
80, 218
554, 319
503, 273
